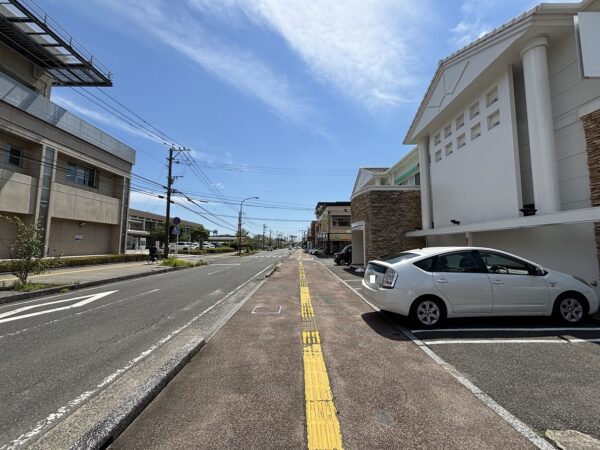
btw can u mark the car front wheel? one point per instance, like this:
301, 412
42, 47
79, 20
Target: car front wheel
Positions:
428, 312
569, 309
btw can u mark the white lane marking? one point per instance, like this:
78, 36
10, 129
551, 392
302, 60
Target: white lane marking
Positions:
238, 264
494, 341
220, 270
460, 330
15, 333
88, 299
63, 410
521, 427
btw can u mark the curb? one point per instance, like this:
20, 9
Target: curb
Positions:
105, 432
74, 287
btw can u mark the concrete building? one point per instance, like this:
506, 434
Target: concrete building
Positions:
332, 230
141, 223
508, 137
55, 167
385, 205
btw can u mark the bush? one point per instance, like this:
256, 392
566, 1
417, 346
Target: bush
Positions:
5, 266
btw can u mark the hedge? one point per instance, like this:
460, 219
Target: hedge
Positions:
5, 266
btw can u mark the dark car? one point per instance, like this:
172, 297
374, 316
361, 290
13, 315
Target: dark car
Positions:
343, 257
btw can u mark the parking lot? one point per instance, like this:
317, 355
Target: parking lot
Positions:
546, 375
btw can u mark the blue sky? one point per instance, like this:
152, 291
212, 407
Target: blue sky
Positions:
319, 88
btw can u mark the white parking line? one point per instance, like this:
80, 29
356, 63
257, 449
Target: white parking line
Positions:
460, 330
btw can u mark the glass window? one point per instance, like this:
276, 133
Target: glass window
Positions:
493, 120
82, 175
502, 264
491, 97
449, 148
448, 131
397, 257
340, 221
14, 155
460, 121
425, 264
475, 131
438, 156
474, 110
436, 139
461, 141
457, 262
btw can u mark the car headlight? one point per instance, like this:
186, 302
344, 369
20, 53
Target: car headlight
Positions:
389, 279
583, 281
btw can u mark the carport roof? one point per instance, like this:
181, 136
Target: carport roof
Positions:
587, 215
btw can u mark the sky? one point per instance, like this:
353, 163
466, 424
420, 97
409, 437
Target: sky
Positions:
278, 99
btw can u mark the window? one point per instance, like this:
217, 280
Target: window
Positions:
502, 264
493, 120
491, 97
460, 121
425, 264
462, 262
14, 155
438, 156
436, 139
448, 149
393, 259
340, 221
82, 175
461, 141
448, 131
474, 110
475, 131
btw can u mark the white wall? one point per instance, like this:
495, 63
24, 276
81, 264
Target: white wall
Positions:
478, 182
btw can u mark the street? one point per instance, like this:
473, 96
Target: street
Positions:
60, 350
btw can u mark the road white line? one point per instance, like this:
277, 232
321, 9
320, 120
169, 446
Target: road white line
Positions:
494, 341
578, 340
521, 427
221, 270
63, 410
460, 330
238, 264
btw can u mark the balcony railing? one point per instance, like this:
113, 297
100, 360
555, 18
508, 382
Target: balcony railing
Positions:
19, 96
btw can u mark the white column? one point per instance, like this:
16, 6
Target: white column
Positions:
541, 126
426, 216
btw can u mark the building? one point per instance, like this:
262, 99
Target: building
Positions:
385, 205
332, 230
311, 235
508, 137
141, 223
56, 168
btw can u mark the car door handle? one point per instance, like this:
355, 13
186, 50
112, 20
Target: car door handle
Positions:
441, 280
497, 282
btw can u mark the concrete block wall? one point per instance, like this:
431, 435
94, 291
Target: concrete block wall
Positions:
591, 126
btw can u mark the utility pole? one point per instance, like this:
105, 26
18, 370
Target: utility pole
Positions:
173, 152
270, 238
263, 237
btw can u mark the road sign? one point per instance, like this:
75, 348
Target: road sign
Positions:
176, 230
176, 220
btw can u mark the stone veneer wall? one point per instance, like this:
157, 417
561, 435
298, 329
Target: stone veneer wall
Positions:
388, 216
591, 126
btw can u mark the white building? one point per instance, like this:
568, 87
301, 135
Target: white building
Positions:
502, 135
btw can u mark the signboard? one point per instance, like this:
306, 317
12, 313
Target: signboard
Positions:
176, 220
176, 230
340, 237
587, 32
79, 237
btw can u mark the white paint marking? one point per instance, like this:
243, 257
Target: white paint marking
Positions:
451, 330
494, 341
220, 270
238, 264
63, 410
521, 427
88, 299
254, 311
578, 340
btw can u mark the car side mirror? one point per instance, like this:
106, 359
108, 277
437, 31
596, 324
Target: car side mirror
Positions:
539, 272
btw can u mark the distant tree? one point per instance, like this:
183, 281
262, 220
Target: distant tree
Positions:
27, 250
157, 234
199, 234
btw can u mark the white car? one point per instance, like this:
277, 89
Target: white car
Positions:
180, 246
432, 284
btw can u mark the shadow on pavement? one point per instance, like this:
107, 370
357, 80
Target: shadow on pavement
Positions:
379, 323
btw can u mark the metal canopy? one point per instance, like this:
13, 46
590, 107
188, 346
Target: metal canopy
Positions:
27, 30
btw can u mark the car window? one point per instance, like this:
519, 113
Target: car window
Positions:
502, 264
397, 257
425, 264
461, 262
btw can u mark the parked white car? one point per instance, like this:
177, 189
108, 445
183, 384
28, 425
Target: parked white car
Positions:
180, 246
207, 245
430, 284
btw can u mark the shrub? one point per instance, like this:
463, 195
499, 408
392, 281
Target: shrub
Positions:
5, 266
174, 262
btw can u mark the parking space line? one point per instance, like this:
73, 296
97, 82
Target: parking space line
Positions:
461, 330
513, 421
494, 341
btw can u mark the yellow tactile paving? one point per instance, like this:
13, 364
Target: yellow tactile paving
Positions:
322, 425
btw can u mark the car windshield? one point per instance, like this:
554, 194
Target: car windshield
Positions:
391, 259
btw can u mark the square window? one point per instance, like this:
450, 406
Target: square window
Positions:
493, 120
448, 131
475, 131
436, 139
461, 141
448, 148
14, 155
474, 110
438, 156
491, 97
460, 121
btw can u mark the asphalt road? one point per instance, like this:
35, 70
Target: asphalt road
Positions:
57, 350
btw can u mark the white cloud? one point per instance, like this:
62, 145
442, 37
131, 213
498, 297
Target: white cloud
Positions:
175, 28
368, 50
466, 32
144, 200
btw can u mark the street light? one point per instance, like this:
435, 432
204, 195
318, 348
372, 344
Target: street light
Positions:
240, 224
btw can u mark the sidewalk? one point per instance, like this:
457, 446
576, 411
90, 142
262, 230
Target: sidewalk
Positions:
257, 380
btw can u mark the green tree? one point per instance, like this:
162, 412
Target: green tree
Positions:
199, 234
27, 250
156, 234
